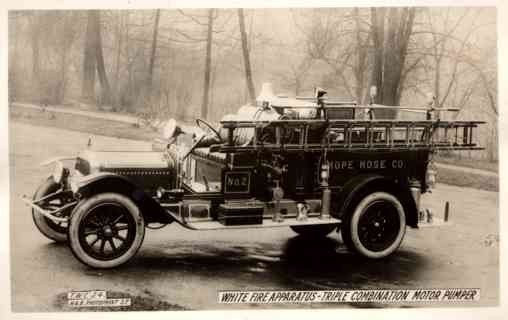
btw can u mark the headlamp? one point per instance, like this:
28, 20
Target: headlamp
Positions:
74, 185
58, 172
159, 193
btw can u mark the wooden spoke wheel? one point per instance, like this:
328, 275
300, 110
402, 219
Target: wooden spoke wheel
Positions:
106, 230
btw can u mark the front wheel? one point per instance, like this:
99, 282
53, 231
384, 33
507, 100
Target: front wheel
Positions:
376, 227
106, 230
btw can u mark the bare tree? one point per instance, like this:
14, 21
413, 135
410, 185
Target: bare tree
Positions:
90, 61
68, 36
246, 57
106, 89
94, 60
297, 73
208, 65
37, 27
154, 47
378, 39
119, 35
390, 54
362, 54
341, 39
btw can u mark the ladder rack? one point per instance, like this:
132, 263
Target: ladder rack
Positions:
316, 135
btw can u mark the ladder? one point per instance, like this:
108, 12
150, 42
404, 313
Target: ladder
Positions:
315, 135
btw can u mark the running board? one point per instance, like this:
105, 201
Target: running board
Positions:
267, 223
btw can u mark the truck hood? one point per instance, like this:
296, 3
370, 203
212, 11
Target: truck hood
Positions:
89, 161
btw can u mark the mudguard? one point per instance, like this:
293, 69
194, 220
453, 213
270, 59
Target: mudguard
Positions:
100, 182
366, 183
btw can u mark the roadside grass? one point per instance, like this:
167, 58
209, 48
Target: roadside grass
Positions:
467, 179
81, 123
492, 166
129, 131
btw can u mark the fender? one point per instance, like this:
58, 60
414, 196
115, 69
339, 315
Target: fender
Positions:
359, 184
87, 186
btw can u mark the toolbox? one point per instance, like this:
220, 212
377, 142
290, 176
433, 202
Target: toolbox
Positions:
241, 213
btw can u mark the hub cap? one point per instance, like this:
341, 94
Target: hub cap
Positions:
379, 226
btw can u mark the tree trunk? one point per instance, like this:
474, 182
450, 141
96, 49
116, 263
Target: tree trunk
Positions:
106, 89
246, 58
89, 63
390, 56
208, 66
35, 58
119, 38
377, 30
63, 75
36, 65
36, 61
69, 33
391, 62
360, 66
154, 48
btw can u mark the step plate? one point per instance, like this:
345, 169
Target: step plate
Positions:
267, 223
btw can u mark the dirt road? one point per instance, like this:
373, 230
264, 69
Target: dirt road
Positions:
177, 268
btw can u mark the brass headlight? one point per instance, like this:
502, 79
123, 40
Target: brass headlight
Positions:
58, 172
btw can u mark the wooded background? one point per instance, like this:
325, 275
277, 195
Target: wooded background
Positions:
205, 63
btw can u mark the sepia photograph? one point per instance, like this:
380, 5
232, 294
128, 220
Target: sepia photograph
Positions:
173, 159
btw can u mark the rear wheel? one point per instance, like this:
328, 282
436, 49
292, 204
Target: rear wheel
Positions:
106, 230
376, 227
315, 231
56, 231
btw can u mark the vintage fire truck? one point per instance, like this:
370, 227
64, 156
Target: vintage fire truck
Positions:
309, 164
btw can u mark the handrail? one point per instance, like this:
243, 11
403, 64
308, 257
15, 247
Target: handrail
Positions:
254, 123
352, 105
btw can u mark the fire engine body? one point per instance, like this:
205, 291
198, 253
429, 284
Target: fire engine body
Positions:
310, 165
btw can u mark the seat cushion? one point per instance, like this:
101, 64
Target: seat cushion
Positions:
238, 159
214, 156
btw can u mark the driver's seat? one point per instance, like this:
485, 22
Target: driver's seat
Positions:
205, 153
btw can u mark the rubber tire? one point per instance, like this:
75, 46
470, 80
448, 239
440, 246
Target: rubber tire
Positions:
349, 228
40, 221
314, 231
83, 209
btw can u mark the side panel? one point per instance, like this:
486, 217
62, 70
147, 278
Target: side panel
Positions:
404, 164
304, 169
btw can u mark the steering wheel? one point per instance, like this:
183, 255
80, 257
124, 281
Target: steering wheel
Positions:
194, 146
208, 128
